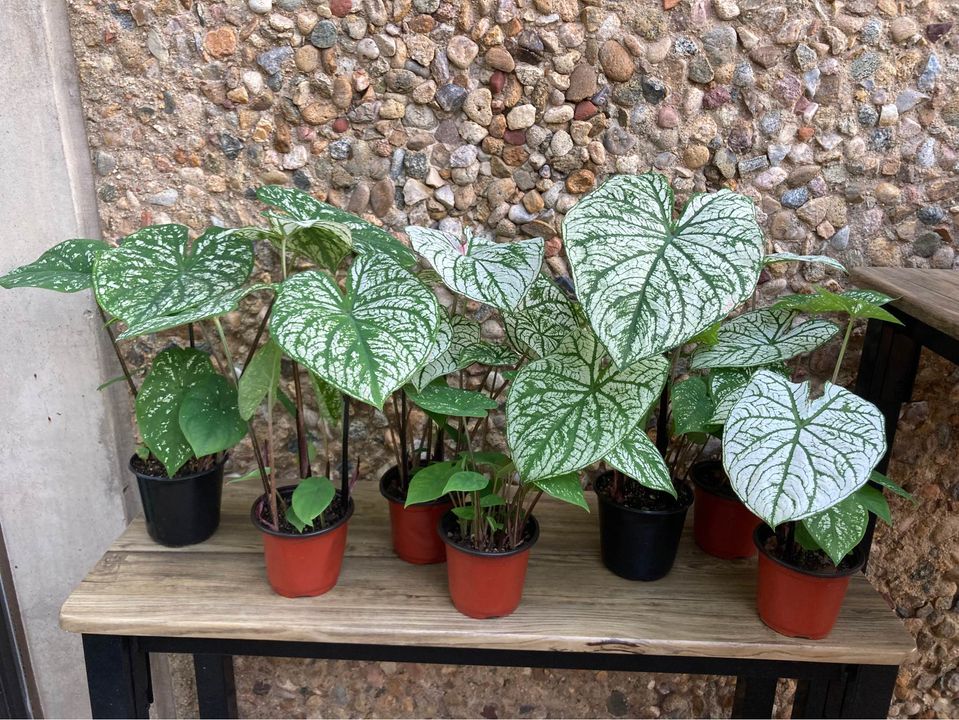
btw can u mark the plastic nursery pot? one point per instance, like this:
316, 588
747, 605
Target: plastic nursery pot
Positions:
639, 544
413, 528
182, 510
484, 584
722, 525
797, 602
302, 564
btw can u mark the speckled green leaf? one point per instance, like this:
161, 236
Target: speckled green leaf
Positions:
488, 353
839, 529
67, 267
637, 458
542, 319
692, 406
567, 488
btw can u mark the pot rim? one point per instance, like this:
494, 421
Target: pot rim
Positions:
299, 536
673, 511
192, 476
730, 495
765, 531
525, 546
444, 500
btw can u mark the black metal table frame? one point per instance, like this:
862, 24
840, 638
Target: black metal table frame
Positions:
118, 672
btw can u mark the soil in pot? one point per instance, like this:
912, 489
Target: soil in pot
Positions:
722, 525
639, 528
304, 564
801, 596
184, 509
413, 529
485, 583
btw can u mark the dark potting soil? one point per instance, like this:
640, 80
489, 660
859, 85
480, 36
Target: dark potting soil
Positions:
498, 543
154, 468
334, 512
815, 561
639, 497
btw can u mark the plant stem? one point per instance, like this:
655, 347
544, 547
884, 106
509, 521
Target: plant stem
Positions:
404, 437
116, 349
662, 423
259, 334
302, 445
192, 336
344, 457
226, 349
842, 350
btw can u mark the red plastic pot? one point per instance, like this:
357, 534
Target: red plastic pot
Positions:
413, 528
722, 525
305, 564
486, 585
796, 602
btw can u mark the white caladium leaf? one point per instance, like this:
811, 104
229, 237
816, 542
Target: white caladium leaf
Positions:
763, 337
839, 529
569, 409
567, 488
498, 274
649, 283
368, 342
790, 456
540, 322
67, 267
488, 353
156, 280
322, 242
457, 336
726, 386
793, 257
637, 458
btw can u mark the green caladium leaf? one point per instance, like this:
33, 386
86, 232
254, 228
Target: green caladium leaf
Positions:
329, 400
542, 319
569, 409
874, 501
175, 372
839, 529
885, 482
637, 458
459, 336
649, 283
429, 483
465, 481
567, 488
209, 416
67, 268
763, 337
855, 303
709, 336
155, 280
790, 456
498, 274
311, 498
321, 242
366, 342
487, 353
441, 399
793, 257
259, 380
691, 406
366, 238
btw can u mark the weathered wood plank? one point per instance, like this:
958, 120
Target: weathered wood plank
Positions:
931, 296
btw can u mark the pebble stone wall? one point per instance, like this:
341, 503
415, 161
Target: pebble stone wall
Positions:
840, 119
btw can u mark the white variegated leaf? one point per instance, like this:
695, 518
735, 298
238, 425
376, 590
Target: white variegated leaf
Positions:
839, 529
367, 343
487, 353
498, 274
569, 409
567, 488
322, 242
726, 386
67, 267
790, 456
540, 322
637, 458
457, 336
793, 257
649, 283
763, 337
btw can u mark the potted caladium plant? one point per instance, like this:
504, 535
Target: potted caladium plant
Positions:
157, 280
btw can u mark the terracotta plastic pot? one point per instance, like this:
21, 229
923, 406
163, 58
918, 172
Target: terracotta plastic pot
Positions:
722, 525
486, 585
184, 510
413, 528
302, 565
796, 602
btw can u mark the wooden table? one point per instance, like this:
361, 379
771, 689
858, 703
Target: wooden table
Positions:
212, 600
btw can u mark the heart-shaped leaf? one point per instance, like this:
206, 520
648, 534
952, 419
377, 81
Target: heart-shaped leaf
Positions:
175, 371
542, 319
67, 267
465, 481
209, 416
648, 283
839, 529
763, 337
569, 409
637, 458
155, 280
567, 488
366, 342
726, 386
458, 336
429, 483
260, 379
311, 498
441, 399
793, 257
498, 274
790, 456
322, 242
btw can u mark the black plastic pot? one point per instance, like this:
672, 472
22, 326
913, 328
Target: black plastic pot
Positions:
639, 544
183, 510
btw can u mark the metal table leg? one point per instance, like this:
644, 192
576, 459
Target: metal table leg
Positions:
754, 697
868, 691
118, 676
215, 687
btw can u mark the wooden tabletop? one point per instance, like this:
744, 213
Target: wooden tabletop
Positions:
931, 296
218, 589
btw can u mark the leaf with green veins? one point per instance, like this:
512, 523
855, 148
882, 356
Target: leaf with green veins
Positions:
725, 388
366, 238
763, 337
885, 482
460, 335
691, 406
874, 501
259, 380
497, 274
366, 342
793, 257
465, 481
175, 371
311, 498
487, 353
637, 458
569, 409
209, 416
838, 529
329, 400
566, 487
442, 399
542, 319
67, 268
429, 483
321, 242
789, 455
855, 303
648, 283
